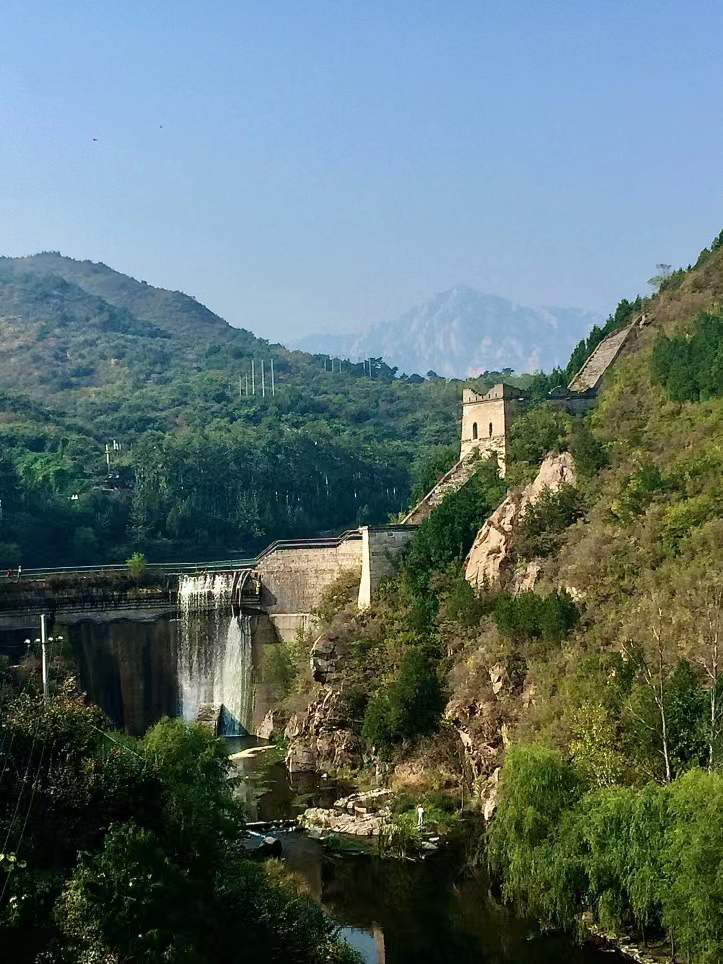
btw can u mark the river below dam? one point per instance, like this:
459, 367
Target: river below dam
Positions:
394, 911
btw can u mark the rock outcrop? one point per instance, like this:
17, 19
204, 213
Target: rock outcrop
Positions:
325, 654
488, 794
479, 725
272, 725
320, 737
490, 560
361, 814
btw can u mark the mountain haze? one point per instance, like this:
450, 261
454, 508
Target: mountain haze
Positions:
461, 332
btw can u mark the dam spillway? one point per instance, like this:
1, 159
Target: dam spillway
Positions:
189, 639
214, 652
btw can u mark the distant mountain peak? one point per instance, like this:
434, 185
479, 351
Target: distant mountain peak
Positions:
460, 332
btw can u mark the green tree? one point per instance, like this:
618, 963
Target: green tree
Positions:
537, 788
543, 522
409, 706
692, 899
690, 368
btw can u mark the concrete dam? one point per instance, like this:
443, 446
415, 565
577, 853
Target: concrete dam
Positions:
194, 643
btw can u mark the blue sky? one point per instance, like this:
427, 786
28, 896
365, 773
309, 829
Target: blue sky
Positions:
304, 166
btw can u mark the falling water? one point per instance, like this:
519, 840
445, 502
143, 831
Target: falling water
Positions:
214, 651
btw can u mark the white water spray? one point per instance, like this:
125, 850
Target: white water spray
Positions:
214, 652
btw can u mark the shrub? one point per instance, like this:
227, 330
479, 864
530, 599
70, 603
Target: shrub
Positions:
692, 899
447, 535
531, 616
545, 520
638, 491
409, 706
681, 518
342, 591
137, 566
537, 788
376, 728
279, 670
535, 433
650, 856
589, 453
459, 602
434, 462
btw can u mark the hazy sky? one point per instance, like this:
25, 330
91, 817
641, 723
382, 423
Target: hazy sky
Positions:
313, 165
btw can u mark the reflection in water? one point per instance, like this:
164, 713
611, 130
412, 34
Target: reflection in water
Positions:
270, 792
424, 913
396, 912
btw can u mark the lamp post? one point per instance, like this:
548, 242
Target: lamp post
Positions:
44, 640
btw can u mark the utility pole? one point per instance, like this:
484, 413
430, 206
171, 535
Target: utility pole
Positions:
273, 383
246, 383
263, 380
44, 640
253, 377
44, 646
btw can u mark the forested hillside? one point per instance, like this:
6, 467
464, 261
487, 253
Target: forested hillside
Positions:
581, 692
90, 355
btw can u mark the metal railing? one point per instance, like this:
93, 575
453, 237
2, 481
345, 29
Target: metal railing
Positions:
171, 568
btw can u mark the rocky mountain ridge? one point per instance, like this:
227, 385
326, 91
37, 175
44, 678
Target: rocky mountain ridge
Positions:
462, 332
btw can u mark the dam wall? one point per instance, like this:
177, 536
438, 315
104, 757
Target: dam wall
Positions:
294, 576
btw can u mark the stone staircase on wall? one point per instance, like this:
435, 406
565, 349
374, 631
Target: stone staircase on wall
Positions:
591, 373
460, 473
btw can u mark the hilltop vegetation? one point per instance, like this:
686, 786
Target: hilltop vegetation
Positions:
91, 355
606, 679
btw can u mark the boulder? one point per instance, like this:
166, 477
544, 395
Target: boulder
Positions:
368, 801
257, 845
524, 578
361, 814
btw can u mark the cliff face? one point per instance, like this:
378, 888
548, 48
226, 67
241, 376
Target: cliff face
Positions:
490, 561
321, 738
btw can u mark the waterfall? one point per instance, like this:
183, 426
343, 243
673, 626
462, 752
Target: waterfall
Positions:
214, 651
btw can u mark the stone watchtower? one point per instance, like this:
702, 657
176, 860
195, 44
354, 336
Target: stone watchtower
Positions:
486, 420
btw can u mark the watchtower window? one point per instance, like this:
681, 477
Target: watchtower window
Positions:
490, 429
474, 429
